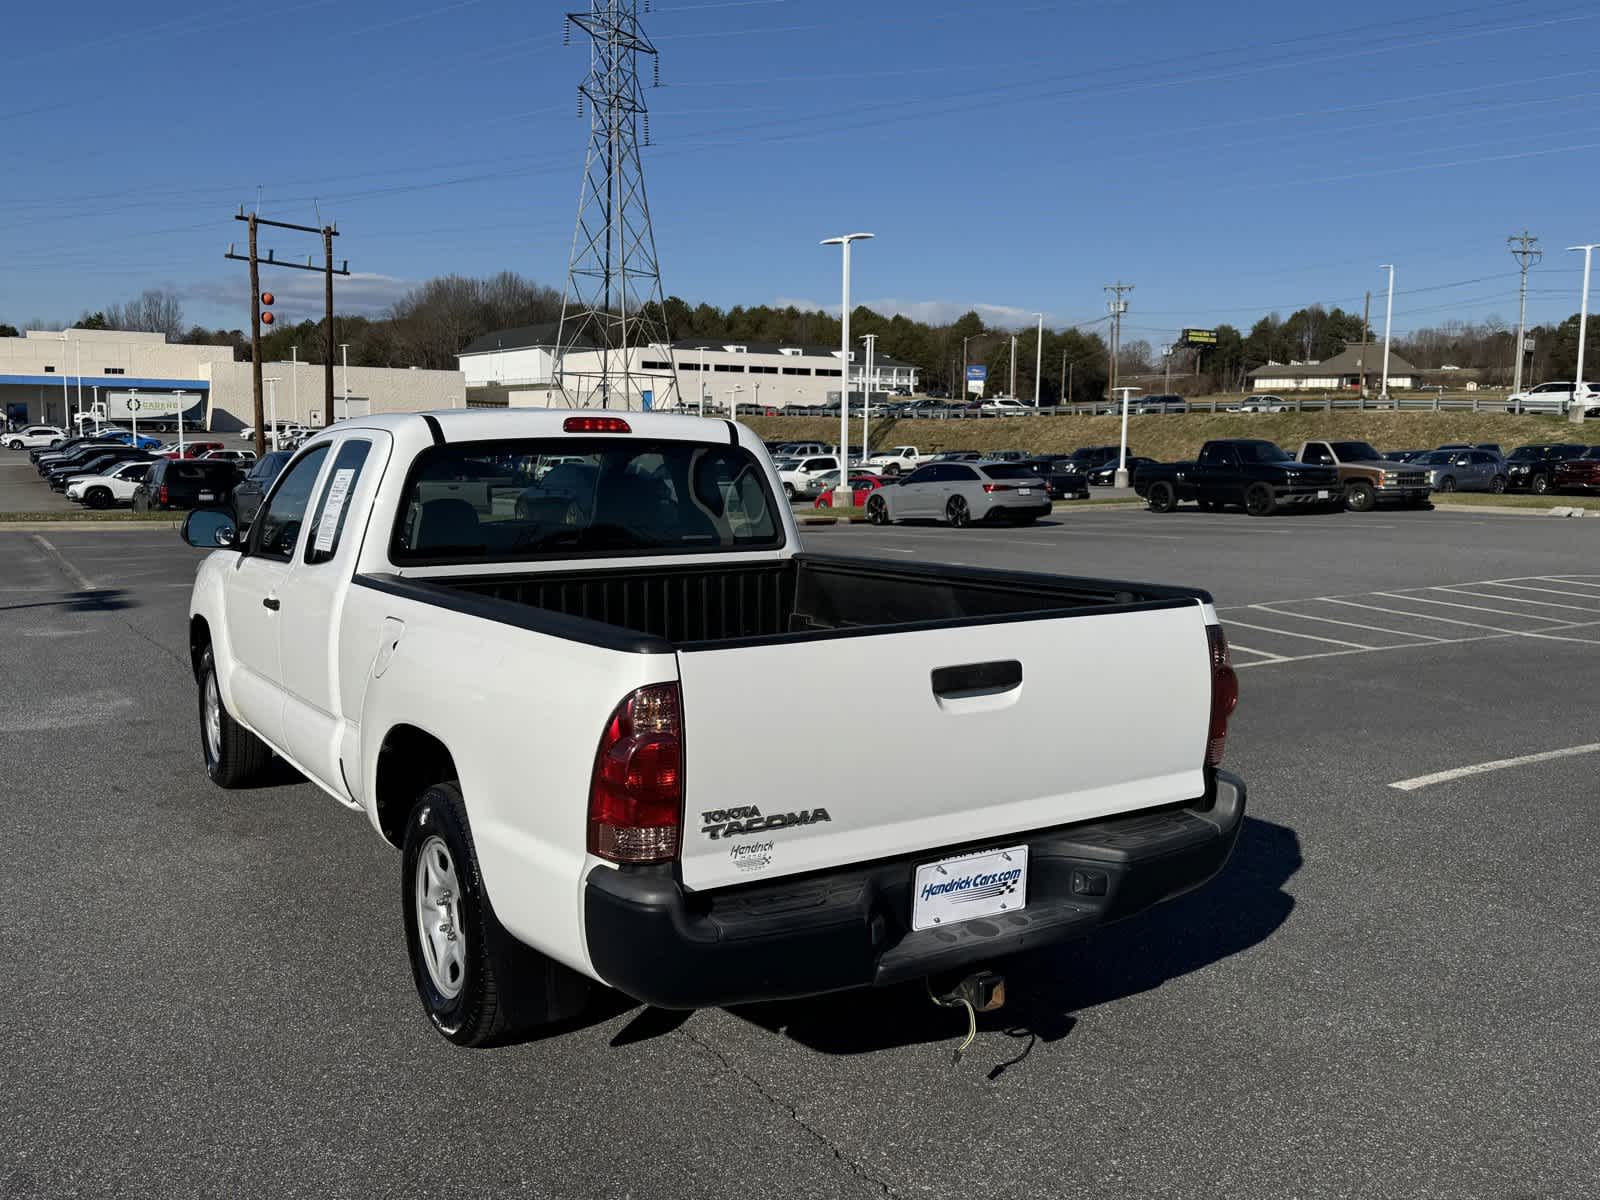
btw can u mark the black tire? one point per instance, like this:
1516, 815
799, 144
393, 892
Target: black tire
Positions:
877, 510
1259, 500
788, 490
1497, 485
1541, 485
487, 987
1447, 484
235, 757
892, 469
15, 443
957, 512
1162, 497
98, 497
1359, 497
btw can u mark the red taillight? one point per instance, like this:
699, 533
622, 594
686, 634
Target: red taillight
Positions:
161, 494
1224, 694
636, 791
999, 487
595, 425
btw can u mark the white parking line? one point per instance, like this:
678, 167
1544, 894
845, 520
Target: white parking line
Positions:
1405, 612
1460, 591
1499, 764
1523, 587
1310, 637
1504, 612
1266, 655
1426, 637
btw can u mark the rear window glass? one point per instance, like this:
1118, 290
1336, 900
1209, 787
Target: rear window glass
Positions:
1009, 471
541, 498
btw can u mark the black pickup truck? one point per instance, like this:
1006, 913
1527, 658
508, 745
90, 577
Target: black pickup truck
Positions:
1260, 476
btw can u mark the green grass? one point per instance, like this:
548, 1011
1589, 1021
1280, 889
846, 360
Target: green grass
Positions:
66, 517
1490, 500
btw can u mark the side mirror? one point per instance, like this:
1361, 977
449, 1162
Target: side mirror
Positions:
210, 529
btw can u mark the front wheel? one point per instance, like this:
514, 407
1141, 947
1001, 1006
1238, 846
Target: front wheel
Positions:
15, 443
1498, 484
877, 510
235, 757
1359, 497
1163, 497
957, 512
1259, 501
1541, 485
478, 984
1447, 484
892, 469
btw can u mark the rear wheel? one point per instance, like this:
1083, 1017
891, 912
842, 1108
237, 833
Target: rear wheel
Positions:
478, 984
877, 510
1541, 484
1259, 501
98, 497
1163, 497
957, 512
1359, 497
788, 490
235, 757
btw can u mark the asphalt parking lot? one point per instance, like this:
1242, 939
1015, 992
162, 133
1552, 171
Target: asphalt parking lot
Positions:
1390, 992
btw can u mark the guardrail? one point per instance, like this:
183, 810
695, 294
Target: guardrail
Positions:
1412, 403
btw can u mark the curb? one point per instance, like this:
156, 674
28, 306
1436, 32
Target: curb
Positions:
1507, 511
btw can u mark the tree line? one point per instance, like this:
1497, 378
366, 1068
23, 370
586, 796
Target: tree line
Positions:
434, 321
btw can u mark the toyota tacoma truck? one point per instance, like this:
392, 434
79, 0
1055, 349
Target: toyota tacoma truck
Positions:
898, 459
563, 694
1369, 479
1257, 475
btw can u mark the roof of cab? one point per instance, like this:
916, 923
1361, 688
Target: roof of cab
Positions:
485, 424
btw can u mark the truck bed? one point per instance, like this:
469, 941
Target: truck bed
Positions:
804, 596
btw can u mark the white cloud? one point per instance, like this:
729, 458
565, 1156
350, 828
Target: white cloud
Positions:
937, 312
297, 295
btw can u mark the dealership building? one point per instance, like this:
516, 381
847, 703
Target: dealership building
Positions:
517, 368
50, 377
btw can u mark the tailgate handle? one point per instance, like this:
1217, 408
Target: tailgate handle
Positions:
977, 679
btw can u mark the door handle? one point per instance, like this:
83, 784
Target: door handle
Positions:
270, 602
977, 679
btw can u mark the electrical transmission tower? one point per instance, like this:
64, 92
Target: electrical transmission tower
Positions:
613, 307
1525, 249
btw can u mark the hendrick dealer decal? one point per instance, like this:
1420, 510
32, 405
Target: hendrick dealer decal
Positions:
734, 822
980, 885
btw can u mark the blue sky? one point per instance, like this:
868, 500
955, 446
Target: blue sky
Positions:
1228, 159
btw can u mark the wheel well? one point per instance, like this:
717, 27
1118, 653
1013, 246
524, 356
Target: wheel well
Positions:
411, 761
199, 639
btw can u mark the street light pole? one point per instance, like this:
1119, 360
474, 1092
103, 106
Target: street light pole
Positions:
1122, 453
1575, 409
66, 407
272, 402
344, 355
844, 347
1388, 322
294, 380
871, 339
702, 381
133, 407
77, 347
1038, 360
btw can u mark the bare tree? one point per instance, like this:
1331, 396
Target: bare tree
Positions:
156, 310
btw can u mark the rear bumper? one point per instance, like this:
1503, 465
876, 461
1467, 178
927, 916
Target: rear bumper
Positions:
1010, 512
649, 938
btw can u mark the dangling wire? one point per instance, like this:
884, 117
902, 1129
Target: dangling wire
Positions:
972, 1019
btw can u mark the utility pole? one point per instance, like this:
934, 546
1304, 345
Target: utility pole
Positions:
1011, 388
1038, 360
1116, 307
1066, 392
1366, 312
328, 232
1525, 249
1388, 326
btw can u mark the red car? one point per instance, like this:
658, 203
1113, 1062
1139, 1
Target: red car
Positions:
195, 449
1578, 474
860, 487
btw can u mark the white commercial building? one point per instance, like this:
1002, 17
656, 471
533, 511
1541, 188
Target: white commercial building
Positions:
1343, 371
517, 367
49, 376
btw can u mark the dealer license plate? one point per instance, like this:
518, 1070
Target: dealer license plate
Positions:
207, 496
1024, 491
1324, 494
974, 885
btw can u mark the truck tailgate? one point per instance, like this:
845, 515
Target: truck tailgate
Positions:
813, 753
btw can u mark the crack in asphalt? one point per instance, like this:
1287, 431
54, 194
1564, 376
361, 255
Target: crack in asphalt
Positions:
850, 1164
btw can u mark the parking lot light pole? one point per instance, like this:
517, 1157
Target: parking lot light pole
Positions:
272, 402
66, 406
1122, 453
1388, 322
1038, 360
1575, 408
871, 339
844, 241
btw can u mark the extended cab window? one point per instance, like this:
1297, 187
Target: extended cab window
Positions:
1219, 456
539, 498
334, 504
277, 529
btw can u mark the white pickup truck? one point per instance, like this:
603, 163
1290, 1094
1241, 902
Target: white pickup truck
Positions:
565, 694
898, 459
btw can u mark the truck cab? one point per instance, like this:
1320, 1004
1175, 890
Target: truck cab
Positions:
1368, 478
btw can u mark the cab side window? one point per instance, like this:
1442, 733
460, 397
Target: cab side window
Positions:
277, 529
322, 543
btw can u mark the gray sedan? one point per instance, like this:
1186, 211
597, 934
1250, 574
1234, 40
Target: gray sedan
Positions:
961, 493
1463, 470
